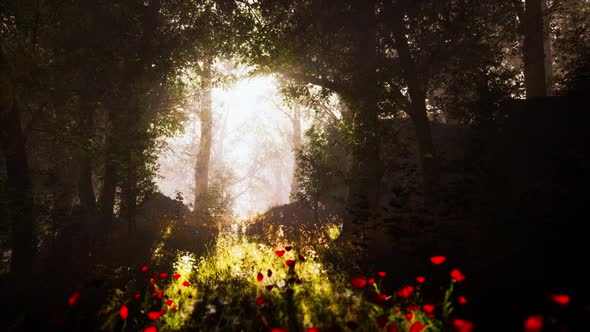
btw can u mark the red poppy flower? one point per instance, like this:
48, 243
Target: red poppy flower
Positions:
290, 263
169, 302
173, 308
561, 299
412, 307
137, 295
144, 268
405, 292
301, 258
124, 312
152, 282
160, 294
457, 275
151, 329
259, 277
155, 289
176, 276
74, 298
288, 248
358, 283
461, 325
269, 273
280, 253
392, 328
420, 279
153, 315
379, 299
533, 324
430, 315
312, 329
278, 329
417, 327
259, 300
163, 275
409, 316
437, 260
428, 308
382, 320
396, 310
371, 281
462, 299
269, 287
186, 284
382, 274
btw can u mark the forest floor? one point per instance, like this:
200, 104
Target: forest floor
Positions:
417, 274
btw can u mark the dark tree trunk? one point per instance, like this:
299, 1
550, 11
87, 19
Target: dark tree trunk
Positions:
131, 192
85, 188
19, 190
363, 191
110, 176
204, 155
535, 75
427, 158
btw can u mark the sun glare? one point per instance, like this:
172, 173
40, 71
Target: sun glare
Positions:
251, 142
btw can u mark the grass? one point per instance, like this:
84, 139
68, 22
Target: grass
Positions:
244, 285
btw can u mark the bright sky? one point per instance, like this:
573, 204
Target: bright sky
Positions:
256, 140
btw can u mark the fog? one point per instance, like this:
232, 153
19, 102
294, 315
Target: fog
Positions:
252, 157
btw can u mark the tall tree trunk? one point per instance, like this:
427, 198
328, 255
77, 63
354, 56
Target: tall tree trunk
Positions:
547, 49
417, 111
109, 184
85, 188
295, 185
363, 192
19, 190
535, 76
131, 191
204, 155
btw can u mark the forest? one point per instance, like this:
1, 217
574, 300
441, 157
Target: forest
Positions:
294, 165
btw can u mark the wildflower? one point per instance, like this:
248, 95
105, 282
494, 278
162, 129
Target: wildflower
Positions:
124, 312
417, 327
420, 279
461, 325
561, 299
290, 263
409, 316
437, 260
176, 276
358, 283
405, 292
151, 329
186, 284
382, 274
533, 324
74, 298
259, 300
462, 299
457, 275
428, 308
259, 277
280, 253
144, 268
163, 275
